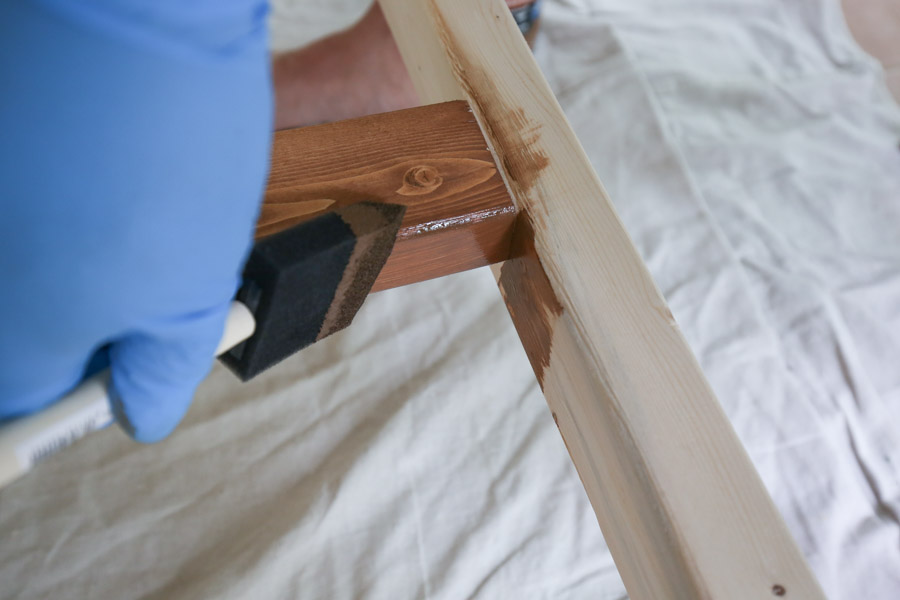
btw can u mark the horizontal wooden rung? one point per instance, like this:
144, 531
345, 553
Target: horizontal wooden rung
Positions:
432, 159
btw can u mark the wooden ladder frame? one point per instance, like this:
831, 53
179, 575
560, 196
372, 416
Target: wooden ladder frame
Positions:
496, 175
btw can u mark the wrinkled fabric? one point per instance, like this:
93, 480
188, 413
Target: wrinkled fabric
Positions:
752, 152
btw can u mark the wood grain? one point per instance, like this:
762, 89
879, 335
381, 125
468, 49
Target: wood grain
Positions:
683, 510
433, 159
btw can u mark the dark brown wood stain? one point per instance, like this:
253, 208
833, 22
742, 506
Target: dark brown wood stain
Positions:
529, 298
432, 159
513, 135
526, 289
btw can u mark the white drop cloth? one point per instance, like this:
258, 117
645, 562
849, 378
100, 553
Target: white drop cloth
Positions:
751, 149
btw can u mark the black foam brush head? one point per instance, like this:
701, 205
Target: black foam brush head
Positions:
309, 281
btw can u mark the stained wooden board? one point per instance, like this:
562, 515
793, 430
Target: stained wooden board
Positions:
681, 506
433, 159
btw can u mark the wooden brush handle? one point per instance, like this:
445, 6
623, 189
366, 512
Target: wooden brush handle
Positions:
29, 440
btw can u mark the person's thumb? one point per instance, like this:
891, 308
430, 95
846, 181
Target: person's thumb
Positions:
155, 372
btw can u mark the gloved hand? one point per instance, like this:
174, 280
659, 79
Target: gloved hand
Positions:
134, 142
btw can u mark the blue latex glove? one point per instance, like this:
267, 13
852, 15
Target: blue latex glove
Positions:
134, 141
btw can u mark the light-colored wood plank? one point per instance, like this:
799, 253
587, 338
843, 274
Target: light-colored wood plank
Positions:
679, 502
432, 159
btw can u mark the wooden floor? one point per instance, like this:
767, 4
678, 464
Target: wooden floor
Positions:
876, 26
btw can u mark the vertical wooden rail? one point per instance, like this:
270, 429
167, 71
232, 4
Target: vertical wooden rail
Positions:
679, 502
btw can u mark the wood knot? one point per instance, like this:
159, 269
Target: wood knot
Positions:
778, 590
419, 180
